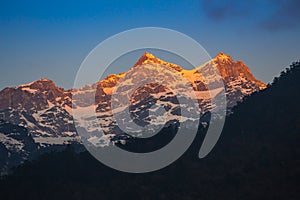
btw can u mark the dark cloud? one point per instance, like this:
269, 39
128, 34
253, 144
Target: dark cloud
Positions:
272, 15
285, 16
220, 10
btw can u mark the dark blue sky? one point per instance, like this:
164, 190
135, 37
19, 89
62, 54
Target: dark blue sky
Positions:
51, 38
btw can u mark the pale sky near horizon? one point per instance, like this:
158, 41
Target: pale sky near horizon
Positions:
51, 38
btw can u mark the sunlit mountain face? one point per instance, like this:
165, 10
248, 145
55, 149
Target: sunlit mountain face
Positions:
45, 110
238, 82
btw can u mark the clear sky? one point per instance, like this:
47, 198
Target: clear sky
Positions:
51, 38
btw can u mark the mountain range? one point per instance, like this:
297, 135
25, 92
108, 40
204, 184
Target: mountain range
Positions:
256, 157
43, 111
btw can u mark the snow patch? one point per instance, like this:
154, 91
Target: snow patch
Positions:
32, 91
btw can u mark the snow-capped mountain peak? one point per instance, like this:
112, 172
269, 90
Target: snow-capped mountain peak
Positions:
147, 58
223, 58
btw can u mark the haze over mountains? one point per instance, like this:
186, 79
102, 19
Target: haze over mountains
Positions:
45, 110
